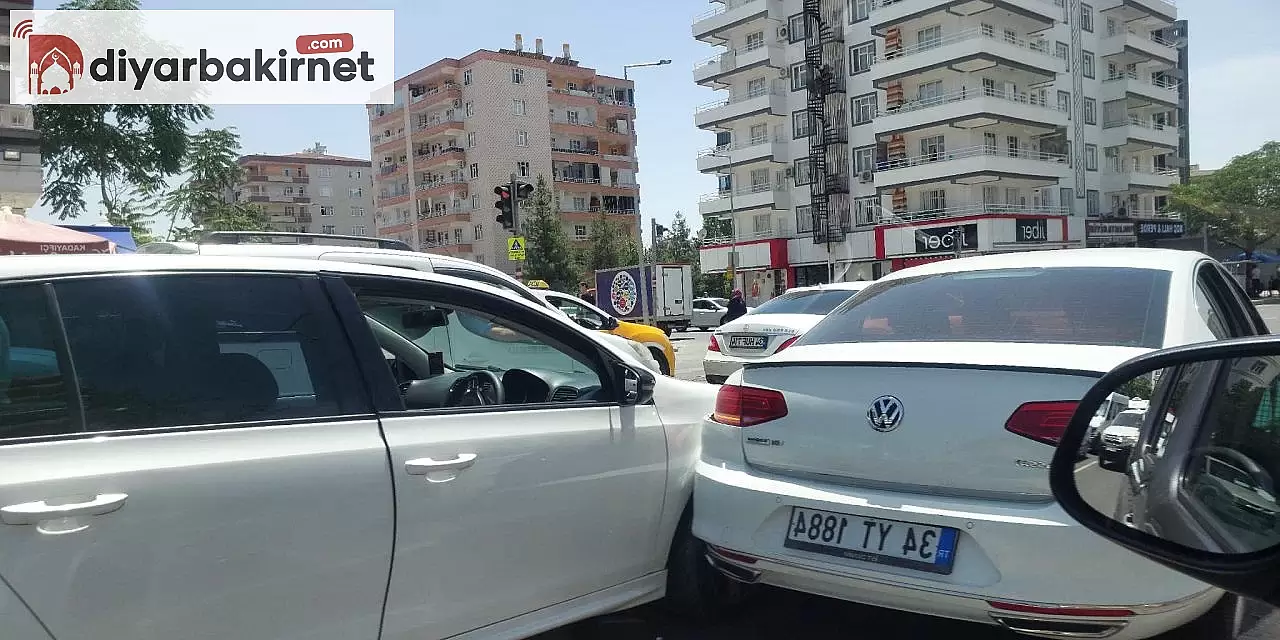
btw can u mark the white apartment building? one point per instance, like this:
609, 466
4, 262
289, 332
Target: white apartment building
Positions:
863, 136
21, 177
310, 192
461, 127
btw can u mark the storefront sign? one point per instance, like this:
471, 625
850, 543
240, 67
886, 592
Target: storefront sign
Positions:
942, 239
1109, 230
1032, 229
1161, 229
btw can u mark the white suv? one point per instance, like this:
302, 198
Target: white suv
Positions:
242, 447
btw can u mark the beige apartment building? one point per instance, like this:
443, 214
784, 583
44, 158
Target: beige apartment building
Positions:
460, 127
310, 192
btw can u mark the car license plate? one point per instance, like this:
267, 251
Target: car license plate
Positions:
901, 544
748, 342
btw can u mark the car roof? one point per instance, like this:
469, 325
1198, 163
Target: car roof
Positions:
1158, 259
856, 285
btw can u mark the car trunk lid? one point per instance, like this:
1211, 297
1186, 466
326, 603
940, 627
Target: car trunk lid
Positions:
758, 336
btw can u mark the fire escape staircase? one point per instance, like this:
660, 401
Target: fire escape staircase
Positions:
827, 111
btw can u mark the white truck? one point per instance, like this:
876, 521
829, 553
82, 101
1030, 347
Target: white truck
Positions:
670, 302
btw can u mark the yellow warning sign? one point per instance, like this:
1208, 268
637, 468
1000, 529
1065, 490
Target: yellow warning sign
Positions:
515, 248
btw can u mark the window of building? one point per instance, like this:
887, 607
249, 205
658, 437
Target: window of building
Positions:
1064, 102
933, 199
522, 169
471, 139
801, 124
325, 172
12, 155
287, 172
1090, 111
861, 57
329, 228
522, 138
477, 232
470, 109
355, 192
579, 203
517, 76
929, 37
358, 230
1011, 35
1067, 197
571, 116
475, 202
326, 211
353, 173
802, 171
1093, 202
799, 76
517, 107
466, 77
804, 218
1087, 64
1091, 157
864, 108
859, 10
326, 192
475, 171
580, 231
1062, 50
1086, 17
864, 160
357, 212
796, 28
755, 40
457, 236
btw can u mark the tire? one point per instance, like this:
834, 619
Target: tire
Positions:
695, 590
664, 367
1225, 621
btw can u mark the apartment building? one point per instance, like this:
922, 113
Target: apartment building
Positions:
310, 192
460, 127
857, 137
21, 178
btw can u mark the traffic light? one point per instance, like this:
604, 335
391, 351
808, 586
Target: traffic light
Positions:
523, 190
505, 206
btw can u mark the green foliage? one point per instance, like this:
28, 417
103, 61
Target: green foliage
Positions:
132, 210
1239, 203
680, 245
549, 253
200, 203
1139, 387
611, 246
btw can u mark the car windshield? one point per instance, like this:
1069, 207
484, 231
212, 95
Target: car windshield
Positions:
1118, 306
1127, 420
813, 301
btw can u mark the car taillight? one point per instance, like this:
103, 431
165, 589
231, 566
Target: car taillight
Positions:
790, 341
714, 346
739, 406
1042, 421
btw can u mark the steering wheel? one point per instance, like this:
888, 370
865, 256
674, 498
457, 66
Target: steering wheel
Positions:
476, 389
1256, 473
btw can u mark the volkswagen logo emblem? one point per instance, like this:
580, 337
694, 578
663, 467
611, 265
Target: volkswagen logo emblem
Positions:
885, 413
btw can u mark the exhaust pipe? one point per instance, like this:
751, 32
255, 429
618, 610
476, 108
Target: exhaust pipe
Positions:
1060, 628
732, 571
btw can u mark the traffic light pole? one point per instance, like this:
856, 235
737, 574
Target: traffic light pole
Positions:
515, 207
646, 284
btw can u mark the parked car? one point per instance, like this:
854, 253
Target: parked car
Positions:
244, 447
707, 312
655, 342
391, 253
771, 327
1116, 438
866, 461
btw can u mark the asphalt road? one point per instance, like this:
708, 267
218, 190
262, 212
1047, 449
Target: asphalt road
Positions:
782, 614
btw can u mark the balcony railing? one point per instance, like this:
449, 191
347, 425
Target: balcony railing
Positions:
1132, 76
750, 95
437, 122
607, 210
1038, 46
576, 179
389, 169
1151, 214
441, 183
881, 215
728, 5
448, 211
972, 152
421, 155
590, 152
724, 149
1136, 121
1128, 31
740, 191
728, 56
433, 91
782, 229
973, 94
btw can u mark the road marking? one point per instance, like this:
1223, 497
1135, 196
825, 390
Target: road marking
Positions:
1087, 465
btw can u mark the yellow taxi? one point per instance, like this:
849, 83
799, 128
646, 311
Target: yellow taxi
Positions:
592, 317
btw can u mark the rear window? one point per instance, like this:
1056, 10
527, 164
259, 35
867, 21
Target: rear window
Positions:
813, 302
1116, 306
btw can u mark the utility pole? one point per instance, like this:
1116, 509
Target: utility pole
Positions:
645, 285
957, 235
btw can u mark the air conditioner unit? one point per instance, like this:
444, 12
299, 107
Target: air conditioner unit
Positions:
865, 176
457, 102
784, 33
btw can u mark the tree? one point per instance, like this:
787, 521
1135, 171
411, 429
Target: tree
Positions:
549, 253
680, 245
100, 144
132, 210
713, 285
1239, 203
611, 246
200, 203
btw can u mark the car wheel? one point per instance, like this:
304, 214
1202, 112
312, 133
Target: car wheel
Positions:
695, 590
1225, 621
663, 366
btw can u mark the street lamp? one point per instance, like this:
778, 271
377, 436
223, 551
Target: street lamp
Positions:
646, 289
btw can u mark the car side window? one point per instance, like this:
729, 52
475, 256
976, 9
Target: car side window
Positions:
490, 279
1209, 311
1234, 312
34, 389
1172, 397
182, 350
579, 313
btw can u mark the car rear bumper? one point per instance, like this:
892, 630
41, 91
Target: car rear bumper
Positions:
718, 366
1000, 558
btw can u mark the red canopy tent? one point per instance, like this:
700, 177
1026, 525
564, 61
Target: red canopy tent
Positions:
22, 236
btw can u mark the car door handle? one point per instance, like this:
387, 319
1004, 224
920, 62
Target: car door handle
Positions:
35, 512
423, 466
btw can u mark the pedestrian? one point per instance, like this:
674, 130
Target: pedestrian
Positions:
586, 293
1255, 282
1274, 285
737, 308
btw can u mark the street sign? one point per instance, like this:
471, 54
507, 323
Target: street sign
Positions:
515, 248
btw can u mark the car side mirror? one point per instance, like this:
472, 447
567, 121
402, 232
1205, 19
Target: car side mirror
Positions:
610, 323
1197, 484
637, 385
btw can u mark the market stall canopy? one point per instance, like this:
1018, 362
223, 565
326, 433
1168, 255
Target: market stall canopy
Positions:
121, 236
1258, 256
22, 236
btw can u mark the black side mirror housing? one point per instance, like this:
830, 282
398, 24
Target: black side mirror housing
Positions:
610, 323
637, 385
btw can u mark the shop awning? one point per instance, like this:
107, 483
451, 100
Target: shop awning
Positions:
121, 236
20, 235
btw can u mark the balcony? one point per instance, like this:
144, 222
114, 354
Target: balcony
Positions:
1152, 214
881, 216
435, 95
972, 108
580, 127
1162, 12
778, 229
967, 51
708, 26
973, 165
887, 13
1139, 91
716, 69
442, 186
449, 214
382, 143
744, 198
772, 102
428, 160
763, 150
437, 127
1130, 47
1151, 179
1137, 133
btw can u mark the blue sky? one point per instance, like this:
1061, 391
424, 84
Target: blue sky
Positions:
1234, 58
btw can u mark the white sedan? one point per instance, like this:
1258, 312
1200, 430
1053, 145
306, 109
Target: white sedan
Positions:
897, 453
771, 327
